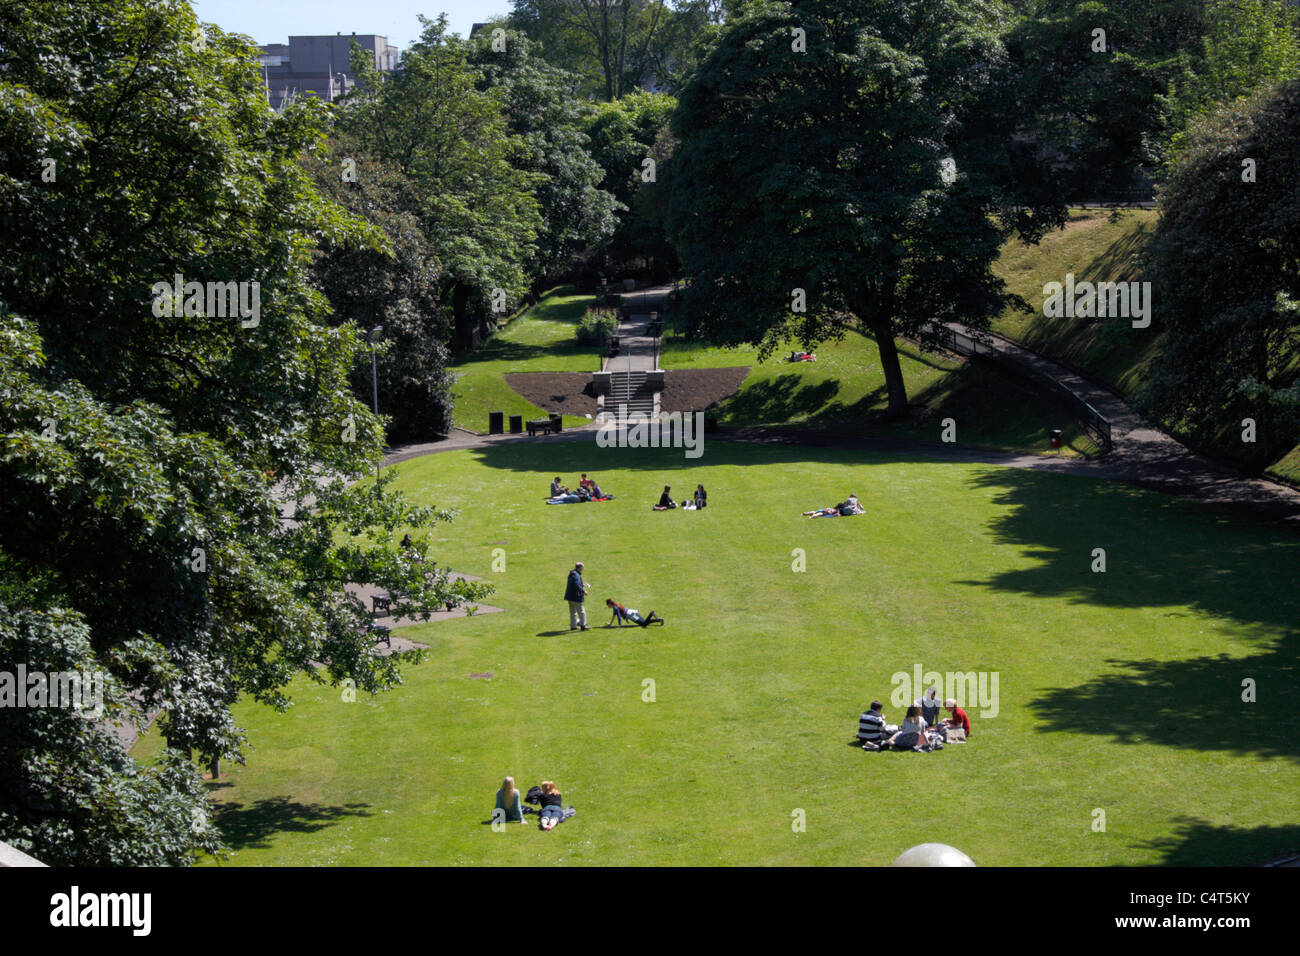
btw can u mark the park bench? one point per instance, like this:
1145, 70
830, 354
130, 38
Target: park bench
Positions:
543, 425
379, 608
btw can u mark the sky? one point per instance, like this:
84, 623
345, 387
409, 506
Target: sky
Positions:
272, 21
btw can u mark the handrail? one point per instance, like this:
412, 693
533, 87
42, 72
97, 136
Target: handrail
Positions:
965, 344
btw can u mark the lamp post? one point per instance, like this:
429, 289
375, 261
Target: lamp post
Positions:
372, 338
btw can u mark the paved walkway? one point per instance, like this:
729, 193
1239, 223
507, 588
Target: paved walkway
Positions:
636, 348
1146, 456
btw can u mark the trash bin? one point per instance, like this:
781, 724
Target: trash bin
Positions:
556, 419
1056, 438
516, 424
496, 423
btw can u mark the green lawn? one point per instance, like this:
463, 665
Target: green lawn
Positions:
1118, 691
540, 340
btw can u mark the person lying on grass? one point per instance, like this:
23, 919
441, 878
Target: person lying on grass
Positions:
622, 614
849, 506
553, 812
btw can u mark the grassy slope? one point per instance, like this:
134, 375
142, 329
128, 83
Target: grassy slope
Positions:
541, 340
1112, 351
846, 384
1118, 691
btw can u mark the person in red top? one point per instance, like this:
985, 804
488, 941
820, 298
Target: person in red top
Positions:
958, 720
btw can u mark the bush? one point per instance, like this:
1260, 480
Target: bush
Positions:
596, 327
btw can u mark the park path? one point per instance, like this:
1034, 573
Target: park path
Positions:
1142, 453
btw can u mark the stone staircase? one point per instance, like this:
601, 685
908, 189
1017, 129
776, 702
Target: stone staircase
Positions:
642, 396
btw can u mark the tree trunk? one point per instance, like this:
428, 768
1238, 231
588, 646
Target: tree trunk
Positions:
464, 333
883, 329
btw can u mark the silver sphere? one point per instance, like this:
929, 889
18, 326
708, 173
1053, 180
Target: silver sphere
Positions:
933, 854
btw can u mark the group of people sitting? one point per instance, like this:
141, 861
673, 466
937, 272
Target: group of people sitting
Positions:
544, 800
802, 357
698, 500
621, 614
919, 730
588, 490
849, 506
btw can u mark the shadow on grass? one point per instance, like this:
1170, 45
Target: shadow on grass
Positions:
247, 826
1160, 553
1198, 843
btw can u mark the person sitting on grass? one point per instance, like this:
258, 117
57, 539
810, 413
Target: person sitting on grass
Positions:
666, 502
585, 482
622, 614
701, 497
850, 506
509, 803
958, 725
911, 734
871, 727
557, 488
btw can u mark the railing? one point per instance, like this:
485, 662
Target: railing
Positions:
1094, 421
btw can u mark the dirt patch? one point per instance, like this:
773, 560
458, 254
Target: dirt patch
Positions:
685, 389
569, 393
699, 389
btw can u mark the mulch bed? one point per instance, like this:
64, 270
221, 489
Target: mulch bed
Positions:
699, 389
685, 389
566, 392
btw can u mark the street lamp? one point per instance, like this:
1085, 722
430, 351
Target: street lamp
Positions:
372, 338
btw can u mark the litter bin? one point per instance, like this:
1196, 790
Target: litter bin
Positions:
516, 424
496, 423
556, 419
1056, 438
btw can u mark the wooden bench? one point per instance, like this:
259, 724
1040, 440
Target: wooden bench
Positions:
543, 425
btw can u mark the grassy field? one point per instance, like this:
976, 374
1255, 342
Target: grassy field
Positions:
1117, 691
540, 340
845, 385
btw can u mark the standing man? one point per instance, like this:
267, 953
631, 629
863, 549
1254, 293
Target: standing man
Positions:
575, 593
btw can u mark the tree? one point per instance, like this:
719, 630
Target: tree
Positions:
811, 167
452, 140
625, 134
1226, 282
1247, 43
397, 286
576, 214
612, 43
179, 509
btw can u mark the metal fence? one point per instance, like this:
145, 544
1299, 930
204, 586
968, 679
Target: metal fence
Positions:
1097, 424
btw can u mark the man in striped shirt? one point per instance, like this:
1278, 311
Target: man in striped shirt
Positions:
871, 727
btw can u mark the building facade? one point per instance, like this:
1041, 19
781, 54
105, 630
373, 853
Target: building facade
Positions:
319, 66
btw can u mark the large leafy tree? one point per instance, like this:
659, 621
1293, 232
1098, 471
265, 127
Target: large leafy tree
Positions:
1227, 280
397, 287
576, 213
624, 134
179, 509
612, 44
433, 123
822, 170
